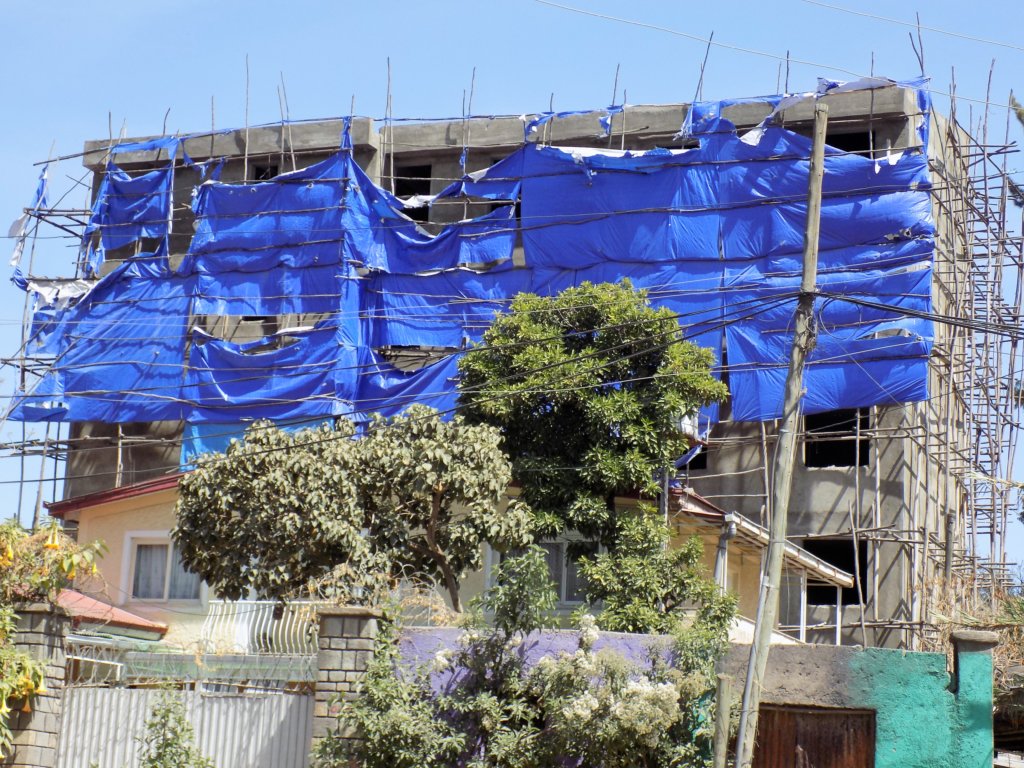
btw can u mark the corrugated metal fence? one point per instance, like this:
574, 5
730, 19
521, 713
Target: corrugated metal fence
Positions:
102, 726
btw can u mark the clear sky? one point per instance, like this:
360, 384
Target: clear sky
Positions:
69, 70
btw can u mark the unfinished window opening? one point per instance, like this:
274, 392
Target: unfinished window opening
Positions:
277, 342
264, 172
411, 180
839, 553
830, 439
699, 463
411, 359
855, 142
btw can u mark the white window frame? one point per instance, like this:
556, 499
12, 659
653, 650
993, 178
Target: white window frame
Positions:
132, 540
492, 559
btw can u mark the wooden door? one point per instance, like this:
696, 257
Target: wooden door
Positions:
809, 737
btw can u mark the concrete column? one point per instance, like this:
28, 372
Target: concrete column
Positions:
347, 639
972, 683
41, 632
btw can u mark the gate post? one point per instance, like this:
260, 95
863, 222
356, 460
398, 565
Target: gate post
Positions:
347, 638
41, 631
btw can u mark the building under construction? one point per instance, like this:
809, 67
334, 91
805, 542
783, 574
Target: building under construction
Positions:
308, 271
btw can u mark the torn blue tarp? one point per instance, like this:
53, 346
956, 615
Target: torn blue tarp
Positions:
501, 181
292, 220
294, 374
386, 390
119, 352
864, 355
604, 119
585, 207
128, 208
445, 309
20, 227
279, 291
379, 236
207, 437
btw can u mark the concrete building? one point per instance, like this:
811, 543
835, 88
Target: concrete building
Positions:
906, 498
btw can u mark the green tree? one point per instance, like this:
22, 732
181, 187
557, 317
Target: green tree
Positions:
414, 497
644, 586
588, 389
480, 704
168, 740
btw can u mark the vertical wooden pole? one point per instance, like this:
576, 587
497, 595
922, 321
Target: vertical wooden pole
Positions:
38, 511
803, 342
245, 158
723, 705
803, 606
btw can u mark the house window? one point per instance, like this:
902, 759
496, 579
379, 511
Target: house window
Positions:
158, 573
563, 559
564, 568
830, 439
839, 553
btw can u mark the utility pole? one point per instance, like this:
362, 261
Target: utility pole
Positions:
804, 337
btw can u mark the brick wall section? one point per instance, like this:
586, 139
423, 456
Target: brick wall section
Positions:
347, 638
41, 632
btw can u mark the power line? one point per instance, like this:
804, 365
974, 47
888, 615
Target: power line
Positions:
915, 25
710, 41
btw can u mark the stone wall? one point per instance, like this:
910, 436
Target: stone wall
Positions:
41, 632
347, 638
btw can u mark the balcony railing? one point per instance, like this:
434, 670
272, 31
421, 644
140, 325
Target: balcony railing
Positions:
260, 627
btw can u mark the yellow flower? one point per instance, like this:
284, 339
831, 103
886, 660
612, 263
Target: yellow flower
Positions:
52, 542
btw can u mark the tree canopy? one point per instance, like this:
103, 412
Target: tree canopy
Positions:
643, 585
413, 497
588, 389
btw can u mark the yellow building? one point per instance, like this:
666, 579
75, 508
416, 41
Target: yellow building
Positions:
142, 575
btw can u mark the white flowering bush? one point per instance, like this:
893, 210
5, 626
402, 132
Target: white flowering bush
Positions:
481, 704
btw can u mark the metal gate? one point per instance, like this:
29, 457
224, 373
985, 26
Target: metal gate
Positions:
102, 726
807, 737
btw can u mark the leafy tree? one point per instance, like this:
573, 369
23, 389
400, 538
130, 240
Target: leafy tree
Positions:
588, 389
482, 705
275, 512
414, 497
644, 586
168, 739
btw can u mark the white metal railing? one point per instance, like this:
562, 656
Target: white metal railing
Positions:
260, 627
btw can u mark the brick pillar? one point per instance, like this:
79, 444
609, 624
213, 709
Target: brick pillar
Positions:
347, 639
41, 632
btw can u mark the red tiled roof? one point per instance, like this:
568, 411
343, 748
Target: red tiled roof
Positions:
85, 608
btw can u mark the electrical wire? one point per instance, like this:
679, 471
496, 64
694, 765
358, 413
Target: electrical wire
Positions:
916, 25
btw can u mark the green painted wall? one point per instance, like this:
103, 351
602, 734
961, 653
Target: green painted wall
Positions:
920, 720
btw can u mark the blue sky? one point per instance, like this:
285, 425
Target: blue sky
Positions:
68, 70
